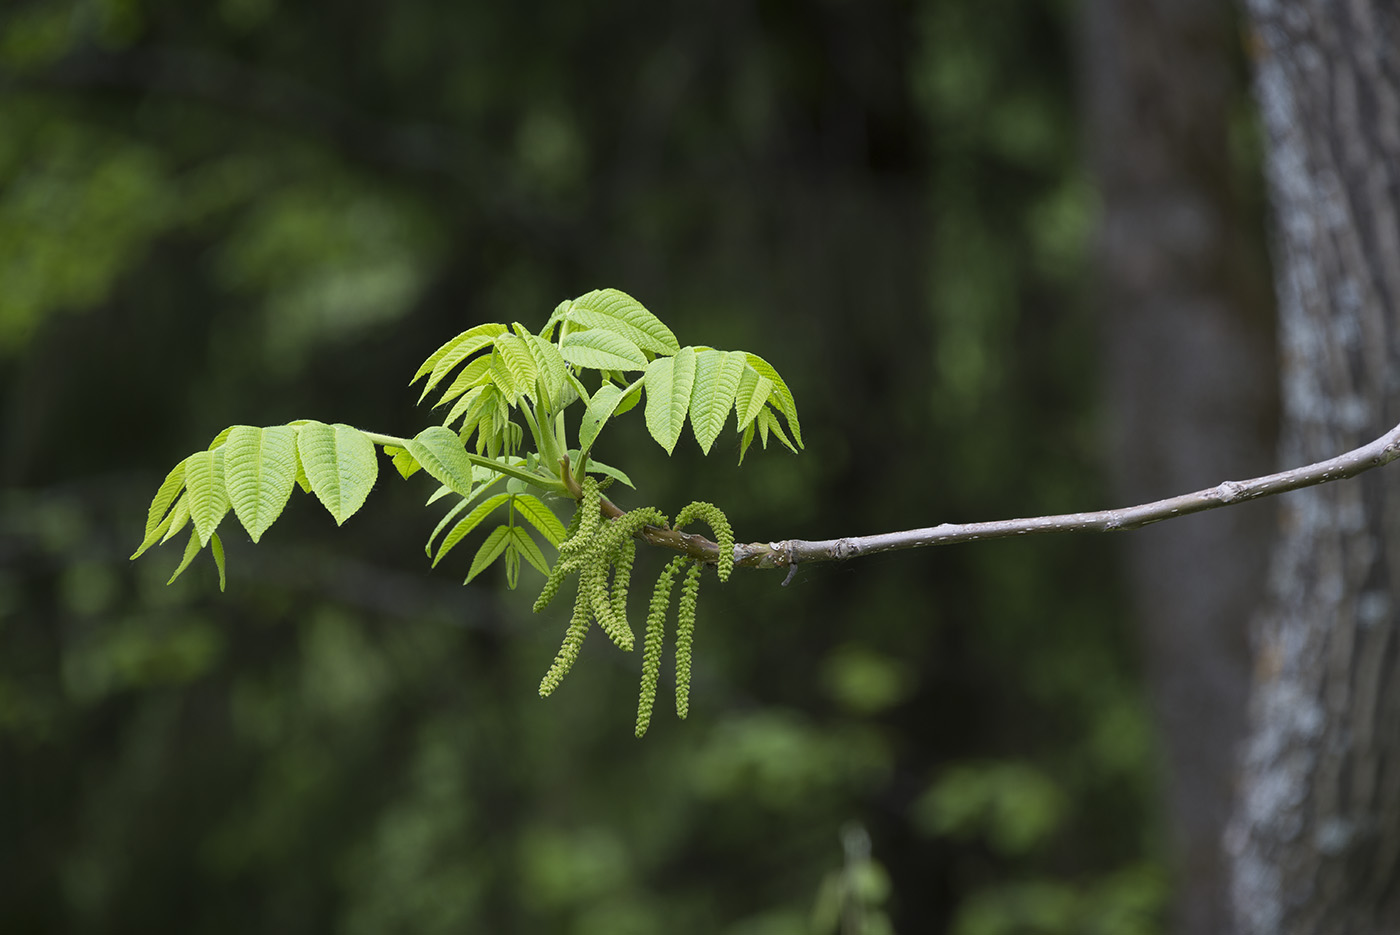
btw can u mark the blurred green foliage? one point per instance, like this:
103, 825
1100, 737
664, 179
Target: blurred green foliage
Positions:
251, 211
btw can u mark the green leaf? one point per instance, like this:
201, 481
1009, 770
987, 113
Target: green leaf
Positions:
449, 516
216, 546
717, 376
754, 390
550, 366
597, 467
768, 421
517, 360
474, 374
602, 350
616, 311
668, 383
541, 517
781, 396
747, 440
632, 396
219, 439
528, 548
600, 410
192, 548
440, 452
490, 550
165, 497
470, 522
208, 501
464, 406
404, 462
455, 351
341, 465
303, 481
179, 517
260, 469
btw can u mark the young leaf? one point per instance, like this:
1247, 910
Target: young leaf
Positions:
260, 469
616, 311
160, 504
668, 382
440, 452
472, 520
597, 467
403, 462
541, 517
216, 546
781, 396
208, 501
515, 357
177, 520
602, 350
550, 366
455, 351
447, 517
526, 547
754, 390
490, 550
474, 374
717, 376
600, 410
340, 464
191, 550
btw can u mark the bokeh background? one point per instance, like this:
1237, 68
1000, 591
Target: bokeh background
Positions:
251, 211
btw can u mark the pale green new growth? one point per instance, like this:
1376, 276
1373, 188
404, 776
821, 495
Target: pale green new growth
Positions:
507, 393
260, 469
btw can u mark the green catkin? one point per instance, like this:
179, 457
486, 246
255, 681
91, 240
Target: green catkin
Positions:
685, 635
656, 632
568, 652
622, 576
724, 533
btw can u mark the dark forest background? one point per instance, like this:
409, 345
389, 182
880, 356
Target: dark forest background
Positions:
251, 211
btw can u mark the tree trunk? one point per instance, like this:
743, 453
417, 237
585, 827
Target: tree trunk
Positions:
1189, 351
1315, 838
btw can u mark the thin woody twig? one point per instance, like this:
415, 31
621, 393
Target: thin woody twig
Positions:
788, 552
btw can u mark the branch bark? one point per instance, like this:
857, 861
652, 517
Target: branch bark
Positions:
789, 552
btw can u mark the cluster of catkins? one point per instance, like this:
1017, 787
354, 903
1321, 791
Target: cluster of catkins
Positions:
601, 553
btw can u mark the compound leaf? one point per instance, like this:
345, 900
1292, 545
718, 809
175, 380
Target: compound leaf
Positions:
616, 311
550, 366
754, 390
216, 546
165, 497
602, 350
517, 360
600, 410
260, 469
668, 383
717, 376
439, 450
455, 351
490, 550
541, 517
781, 396
527, 547
208, 501
470, 522
340, 464
192, 548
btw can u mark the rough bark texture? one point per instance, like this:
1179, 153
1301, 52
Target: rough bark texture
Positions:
1190, 368
1315, 839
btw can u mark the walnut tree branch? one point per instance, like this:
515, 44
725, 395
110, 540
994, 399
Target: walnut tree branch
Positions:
788, 552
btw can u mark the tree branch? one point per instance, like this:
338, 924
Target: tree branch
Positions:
791, 552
